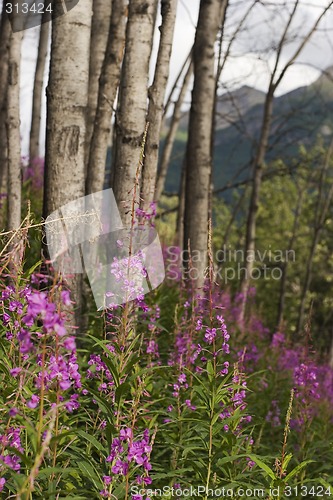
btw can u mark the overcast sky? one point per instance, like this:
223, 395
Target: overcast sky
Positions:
249, 63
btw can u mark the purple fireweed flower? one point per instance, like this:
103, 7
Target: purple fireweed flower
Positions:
13, 412
104, 494
116, 449
189, 404
137, 450
5, 318
15, 371
14, 305
278, 339
65, 297
69, 343
34, 401
144, 479
210, 335
120, 468
11, 439
2, 483
126, 434
73, 403
152, 348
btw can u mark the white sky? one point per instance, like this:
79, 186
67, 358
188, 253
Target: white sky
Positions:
245, 67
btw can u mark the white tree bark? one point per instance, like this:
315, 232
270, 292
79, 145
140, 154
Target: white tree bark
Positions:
37, 92
131, 116
171, 135
67, 98
108, 86
156, 100
100, 25
5, 33
13, 133
198, 153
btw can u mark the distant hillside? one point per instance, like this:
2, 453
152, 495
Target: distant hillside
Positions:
299, 117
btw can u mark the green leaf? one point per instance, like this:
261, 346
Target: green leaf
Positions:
63, 471
121, 390
263, 466
32, 268
92, 440
109, 363
210, 371
286, 461
298, 469
89, 472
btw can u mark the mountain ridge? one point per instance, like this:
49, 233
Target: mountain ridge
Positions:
299, 117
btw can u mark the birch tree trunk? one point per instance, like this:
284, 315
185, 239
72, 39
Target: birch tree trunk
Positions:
131, 115
5, 32
67, 97
171, 135
100, 25
181, 208
13, 133
198, 153
169, 99
156, 100
108, 86
38, 88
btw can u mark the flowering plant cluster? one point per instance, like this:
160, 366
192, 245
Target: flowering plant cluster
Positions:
166, 389
40, 361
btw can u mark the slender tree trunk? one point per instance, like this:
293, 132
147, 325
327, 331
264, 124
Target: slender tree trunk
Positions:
100, 25
13, 133
283, 284
323, 205
254, 200
3, 162
198, 153
67, 97
181, 208
307, 281
108, 85
5, 33
156, 100
169, 100
232, 219
38, 88
171, 135
131, 116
